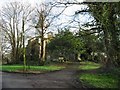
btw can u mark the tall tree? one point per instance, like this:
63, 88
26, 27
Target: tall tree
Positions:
45, 19
0, 47
67, 45
14, 19
106, 16
106, 21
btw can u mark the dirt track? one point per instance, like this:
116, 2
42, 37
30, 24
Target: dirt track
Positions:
58, 79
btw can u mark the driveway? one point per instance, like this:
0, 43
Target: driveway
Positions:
58, 79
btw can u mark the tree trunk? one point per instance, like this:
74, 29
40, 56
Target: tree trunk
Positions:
0, 47
42, 54
108, 61
24, 56
114, 37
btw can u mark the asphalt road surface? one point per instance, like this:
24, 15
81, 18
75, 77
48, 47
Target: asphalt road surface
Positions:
58, 79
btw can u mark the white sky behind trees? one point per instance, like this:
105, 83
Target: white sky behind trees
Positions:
32, 2
65, 18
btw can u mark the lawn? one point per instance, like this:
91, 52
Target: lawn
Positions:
16, 68
89, 66
96, 78
100, 80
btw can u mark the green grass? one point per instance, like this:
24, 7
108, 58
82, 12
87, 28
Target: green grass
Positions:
100, 80
89, 66
13, 68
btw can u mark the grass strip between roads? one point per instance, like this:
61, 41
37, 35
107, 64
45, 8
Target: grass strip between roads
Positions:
89, 66
14, 68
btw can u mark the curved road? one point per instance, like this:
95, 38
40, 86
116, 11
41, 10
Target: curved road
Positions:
58, 79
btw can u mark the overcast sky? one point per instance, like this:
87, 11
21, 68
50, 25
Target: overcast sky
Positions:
69, 11
32, 2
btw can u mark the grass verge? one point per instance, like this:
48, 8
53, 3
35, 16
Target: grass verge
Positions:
99, 80
89, 66
93, 77
16, 68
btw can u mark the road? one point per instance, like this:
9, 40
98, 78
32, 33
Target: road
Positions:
58, 79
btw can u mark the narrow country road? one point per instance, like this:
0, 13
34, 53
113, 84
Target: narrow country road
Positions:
58, 79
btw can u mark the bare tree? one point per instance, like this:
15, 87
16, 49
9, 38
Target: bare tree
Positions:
45, 20
25, 18
14, 19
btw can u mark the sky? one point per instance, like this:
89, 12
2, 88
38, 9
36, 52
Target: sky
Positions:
69, 11
64, 17
32, 2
